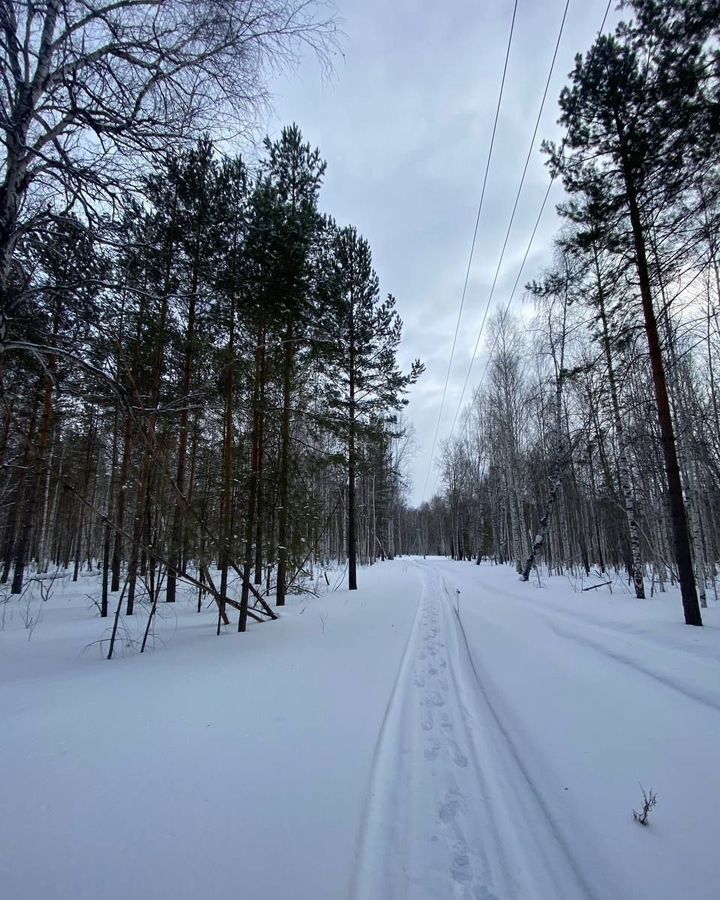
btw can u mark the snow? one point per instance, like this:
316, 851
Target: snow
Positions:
444, 732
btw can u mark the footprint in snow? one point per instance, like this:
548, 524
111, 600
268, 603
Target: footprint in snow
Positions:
449, 808
460, 868
459, 758
435, 699
484, 893
432, 750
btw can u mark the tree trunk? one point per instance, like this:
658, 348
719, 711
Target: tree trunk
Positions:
255, 452
623, 468
351, 520
176, 537
681, 536
35, 462
227, 492
284, 493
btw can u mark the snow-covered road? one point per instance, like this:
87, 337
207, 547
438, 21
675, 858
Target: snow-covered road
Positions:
520, 725
453, 810
445, 733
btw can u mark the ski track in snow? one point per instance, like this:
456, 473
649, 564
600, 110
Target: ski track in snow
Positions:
452, 810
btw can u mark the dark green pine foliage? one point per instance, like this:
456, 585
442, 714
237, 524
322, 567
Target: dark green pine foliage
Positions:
190, 401
144, 278
260, 250
280, 260
200, 230
364, 383
230, 292
294, 172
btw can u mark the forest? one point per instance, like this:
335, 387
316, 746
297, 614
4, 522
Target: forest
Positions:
199, 376
242, 655
198, 369
592, 440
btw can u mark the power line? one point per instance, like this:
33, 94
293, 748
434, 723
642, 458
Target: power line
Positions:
520, 271
535, 228
472, 245
517, 281
512, 214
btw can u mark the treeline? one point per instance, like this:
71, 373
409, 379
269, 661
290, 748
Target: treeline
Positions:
199, 374
210, 381
594, 439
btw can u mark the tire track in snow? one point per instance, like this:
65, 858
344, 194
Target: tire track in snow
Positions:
581, 630
689, 690
450, 812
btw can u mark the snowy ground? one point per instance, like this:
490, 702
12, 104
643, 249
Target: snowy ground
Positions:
404, 741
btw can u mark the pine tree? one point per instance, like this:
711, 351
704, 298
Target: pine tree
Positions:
364, 384
195, 177
295, 171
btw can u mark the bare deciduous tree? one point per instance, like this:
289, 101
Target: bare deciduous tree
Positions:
87, 85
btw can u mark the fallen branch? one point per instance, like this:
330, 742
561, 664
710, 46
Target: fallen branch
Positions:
256, 594
227, 601
182, 576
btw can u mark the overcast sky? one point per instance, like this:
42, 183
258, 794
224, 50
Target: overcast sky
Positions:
404, 124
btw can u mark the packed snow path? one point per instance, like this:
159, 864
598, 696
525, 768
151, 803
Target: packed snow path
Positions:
452, 809
444, 733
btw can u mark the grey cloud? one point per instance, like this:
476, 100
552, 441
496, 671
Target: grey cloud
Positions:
405, 125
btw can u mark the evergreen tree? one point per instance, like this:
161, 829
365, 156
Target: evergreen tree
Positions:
194, 175
364, 383
295, 171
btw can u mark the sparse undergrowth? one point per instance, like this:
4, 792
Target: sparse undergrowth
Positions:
649, 802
